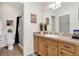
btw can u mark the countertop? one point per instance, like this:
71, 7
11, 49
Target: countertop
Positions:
62, 38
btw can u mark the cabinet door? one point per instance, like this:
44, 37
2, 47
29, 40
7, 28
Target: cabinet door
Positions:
42, 48
77, 50
36, 41
65, 53
67, 46
52, 51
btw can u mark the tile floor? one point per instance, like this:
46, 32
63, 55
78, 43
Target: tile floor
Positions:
15, 52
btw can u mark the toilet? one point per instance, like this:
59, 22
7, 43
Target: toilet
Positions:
10, 40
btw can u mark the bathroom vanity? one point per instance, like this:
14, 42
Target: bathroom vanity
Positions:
55, 45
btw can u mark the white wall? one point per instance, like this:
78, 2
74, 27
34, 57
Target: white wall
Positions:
20, 30
29, 27
21, 27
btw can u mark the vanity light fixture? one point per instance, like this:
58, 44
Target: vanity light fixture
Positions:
55, 5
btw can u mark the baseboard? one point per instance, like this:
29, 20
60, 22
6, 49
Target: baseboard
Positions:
20, 45
20, 48
29, 53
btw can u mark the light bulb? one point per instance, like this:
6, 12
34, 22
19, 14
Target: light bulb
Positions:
53, 8
57, 6
50, 6
53, 4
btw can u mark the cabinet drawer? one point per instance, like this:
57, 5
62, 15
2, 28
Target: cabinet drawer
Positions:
67, 46
65, 53
51, 42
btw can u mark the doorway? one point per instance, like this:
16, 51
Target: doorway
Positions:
19, 28
53, 24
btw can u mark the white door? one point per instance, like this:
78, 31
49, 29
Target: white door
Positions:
20, 30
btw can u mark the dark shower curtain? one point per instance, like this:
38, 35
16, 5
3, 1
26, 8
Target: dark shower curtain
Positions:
17, 33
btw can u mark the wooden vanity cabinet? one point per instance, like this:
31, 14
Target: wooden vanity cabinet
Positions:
66, 49
36, 44
65, 53
47, 47
50, 47
42, 46
77, 50
51, 50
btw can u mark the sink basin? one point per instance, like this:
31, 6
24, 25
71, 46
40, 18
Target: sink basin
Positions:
54, 36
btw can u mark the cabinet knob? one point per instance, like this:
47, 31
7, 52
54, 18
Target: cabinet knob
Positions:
60, 52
